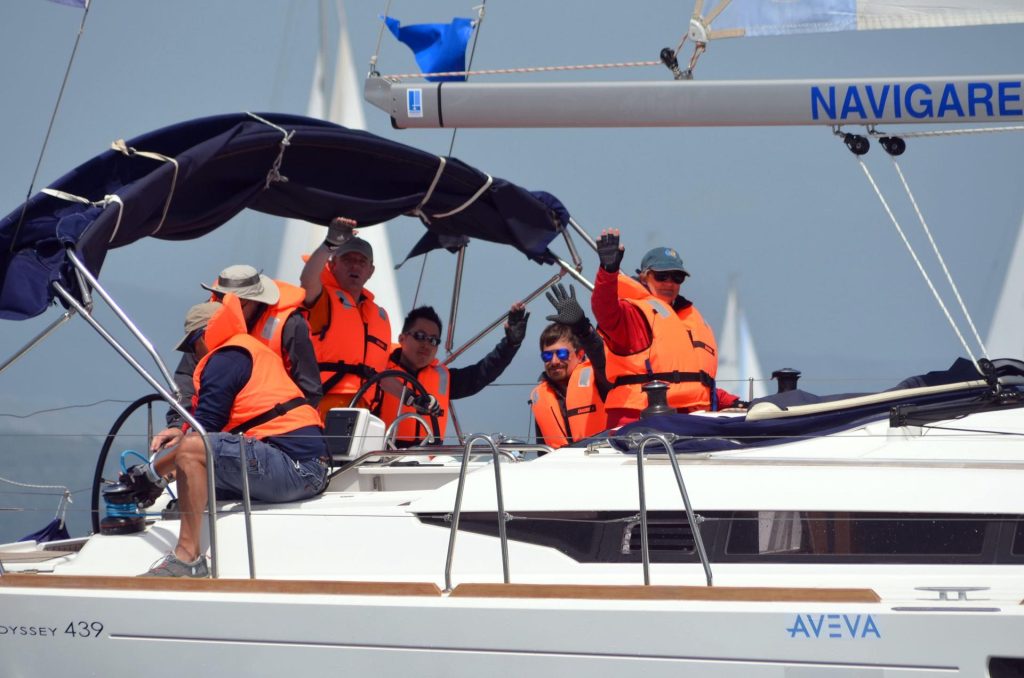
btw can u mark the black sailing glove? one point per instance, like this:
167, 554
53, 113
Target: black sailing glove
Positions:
145, 489
515, 328
567, 310
424, 404
610, 252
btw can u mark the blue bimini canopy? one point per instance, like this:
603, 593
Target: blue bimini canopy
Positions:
183, 181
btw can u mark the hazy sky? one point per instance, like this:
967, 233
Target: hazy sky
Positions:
784, 213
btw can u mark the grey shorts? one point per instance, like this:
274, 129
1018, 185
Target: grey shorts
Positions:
273, 475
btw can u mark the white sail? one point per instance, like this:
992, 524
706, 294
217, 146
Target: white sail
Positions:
737, 357
757, 18
346, 108
1006, 335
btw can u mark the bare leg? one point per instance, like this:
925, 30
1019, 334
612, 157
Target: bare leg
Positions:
192, 496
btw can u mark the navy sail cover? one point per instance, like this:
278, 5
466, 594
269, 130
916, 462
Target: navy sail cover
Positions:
225, 164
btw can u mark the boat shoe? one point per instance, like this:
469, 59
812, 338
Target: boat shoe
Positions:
170, 566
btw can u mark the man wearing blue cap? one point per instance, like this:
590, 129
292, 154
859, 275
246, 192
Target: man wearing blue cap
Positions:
652, 333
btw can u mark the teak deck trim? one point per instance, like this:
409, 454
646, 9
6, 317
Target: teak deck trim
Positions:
352, 588
377, 588
723, 593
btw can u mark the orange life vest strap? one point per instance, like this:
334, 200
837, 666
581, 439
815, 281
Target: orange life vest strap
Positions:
274, 412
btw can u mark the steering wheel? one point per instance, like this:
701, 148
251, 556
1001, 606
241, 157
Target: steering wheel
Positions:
409, 379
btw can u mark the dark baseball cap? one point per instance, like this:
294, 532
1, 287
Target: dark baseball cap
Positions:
662, 259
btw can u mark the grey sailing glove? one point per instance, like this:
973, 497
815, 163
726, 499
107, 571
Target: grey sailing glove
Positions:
340, 230
515, 327
610, 252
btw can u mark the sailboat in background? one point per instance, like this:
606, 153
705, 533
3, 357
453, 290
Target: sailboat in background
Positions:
739, 370
345, 108
1006, 334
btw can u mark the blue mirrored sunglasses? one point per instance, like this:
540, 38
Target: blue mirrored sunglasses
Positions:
562, 353
423, 336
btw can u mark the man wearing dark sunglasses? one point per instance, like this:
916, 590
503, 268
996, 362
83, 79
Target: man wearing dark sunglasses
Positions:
417, 354
651, 333
568, 403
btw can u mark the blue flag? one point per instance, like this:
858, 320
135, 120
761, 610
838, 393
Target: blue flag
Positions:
439, 48
73, 3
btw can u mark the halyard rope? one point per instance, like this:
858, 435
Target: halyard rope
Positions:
917, 261
938, 255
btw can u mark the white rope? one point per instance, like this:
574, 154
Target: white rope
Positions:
274, 175
917, 261
955, 132
380, 37
529, 69
430, 191
107, 200
938, 255
122, 147
33, 486
472, 199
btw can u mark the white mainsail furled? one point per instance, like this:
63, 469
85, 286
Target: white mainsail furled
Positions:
300, 237
758, 18
1006, 335
737, 357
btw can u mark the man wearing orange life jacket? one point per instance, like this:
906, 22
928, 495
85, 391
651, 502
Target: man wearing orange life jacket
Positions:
272, 311
417, 355
351, 334
652, 333
244, 397
568, 403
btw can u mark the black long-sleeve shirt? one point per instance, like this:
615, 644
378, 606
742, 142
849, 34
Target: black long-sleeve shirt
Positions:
301, 363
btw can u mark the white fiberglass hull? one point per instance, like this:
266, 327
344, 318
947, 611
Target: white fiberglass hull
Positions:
174, 633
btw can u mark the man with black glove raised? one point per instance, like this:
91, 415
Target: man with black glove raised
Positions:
651, 333
417, 355
568, 403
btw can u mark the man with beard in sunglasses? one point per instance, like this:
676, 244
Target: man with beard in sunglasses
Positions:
568, 403
652, 333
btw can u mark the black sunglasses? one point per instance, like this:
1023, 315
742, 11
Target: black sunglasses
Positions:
562, 353
423, 336
675, 276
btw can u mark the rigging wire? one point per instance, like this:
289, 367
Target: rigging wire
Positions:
938, 255
49, 128
481, 9
917, 261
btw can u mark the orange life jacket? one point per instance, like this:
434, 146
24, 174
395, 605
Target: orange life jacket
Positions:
584, 411
436, 379
583, 404
270, 403
548, 415
268, 329
671, 357
353, 344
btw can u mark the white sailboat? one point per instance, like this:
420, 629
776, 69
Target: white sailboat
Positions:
1006, 334
345, 108
739, 369
889, 540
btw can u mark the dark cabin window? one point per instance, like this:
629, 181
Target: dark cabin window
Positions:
777, 533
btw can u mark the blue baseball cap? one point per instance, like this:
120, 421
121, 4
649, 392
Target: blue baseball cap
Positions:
662, 259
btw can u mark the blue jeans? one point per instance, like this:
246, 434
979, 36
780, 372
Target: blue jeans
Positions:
273, 476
